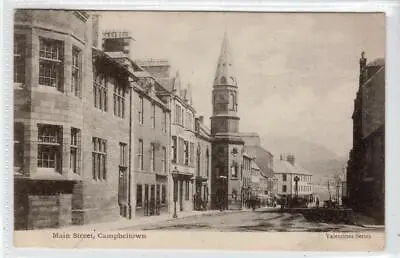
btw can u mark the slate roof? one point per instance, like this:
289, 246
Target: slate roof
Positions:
283, 166
262, 159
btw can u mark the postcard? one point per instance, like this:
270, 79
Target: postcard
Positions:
199, 130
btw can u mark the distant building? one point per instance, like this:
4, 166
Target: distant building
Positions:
263, 159
286, 171
366, 165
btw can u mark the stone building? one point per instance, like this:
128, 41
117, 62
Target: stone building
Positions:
287, 172
263, 159
246, 174
227, 146
77, 124
366, 165
151, 131
203, 165
65, 153
183, 136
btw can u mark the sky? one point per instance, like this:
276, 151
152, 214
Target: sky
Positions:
297, 73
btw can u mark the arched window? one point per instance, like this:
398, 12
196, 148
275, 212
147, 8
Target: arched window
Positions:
234, 171
198, 160
223, 80
232, 101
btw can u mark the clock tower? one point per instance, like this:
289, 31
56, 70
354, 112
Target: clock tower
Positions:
227, 145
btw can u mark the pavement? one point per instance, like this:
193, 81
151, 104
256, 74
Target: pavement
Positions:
267, 219
261, 220
123, 223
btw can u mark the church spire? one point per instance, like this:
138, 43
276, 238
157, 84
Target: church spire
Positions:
225, 74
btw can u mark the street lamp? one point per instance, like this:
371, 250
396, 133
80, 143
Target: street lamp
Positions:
174, 178
296, 180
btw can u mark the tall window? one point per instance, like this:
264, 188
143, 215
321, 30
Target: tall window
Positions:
19, 58
183, 117
51, 63
49, 146
119, 99
234, 171
284, 177
100, 91
123, 175
186, 152
99, 156
140, 154
181, 152
152, 157
139, 199
18, 144
164, 160
76, 72
208, 163
123, 154
198, 159
191, 154
232, 101
177, 114
74, 161
153, 115
174, 149
140, 110
164, 124
284, 188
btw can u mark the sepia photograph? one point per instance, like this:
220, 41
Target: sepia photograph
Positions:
199, 130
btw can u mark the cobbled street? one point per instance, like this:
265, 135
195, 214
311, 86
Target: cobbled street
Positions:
249, 221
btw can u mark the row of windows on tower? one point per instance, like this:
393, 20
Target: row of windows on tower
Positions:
221, 103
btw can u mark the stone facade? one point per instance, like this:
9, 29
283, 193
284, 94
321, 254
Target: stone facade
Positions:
202, 182
77, 128
366, 165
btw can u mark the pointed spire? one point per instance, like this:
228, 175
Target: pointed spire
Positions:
225, 74
176, 87
188, 95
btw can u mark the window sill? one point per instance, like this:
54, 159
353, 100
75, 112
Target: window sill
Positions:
19, 86
47, 89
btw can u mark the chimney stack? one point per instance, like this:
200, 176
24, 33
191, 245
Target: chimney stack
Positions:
363, 64
117, 41
95, 30
291, 159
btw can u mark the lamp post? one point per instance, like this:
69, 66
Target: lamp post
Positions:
174, 178
296, 180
